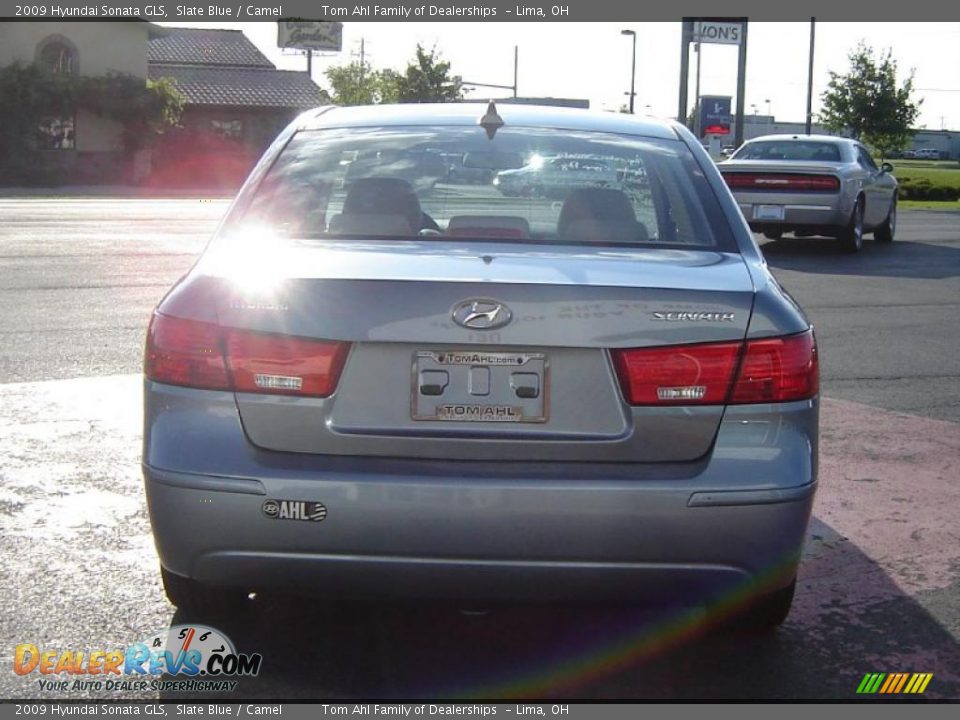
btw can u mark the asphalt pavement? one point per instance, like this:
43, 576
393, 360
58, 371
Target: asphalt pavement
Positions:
879, 586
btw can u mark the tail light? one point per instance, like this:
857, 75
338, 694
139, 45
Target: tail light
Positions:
281, 364
677, 375
185, 352
755, 371
782, 182
198, 354
778, 370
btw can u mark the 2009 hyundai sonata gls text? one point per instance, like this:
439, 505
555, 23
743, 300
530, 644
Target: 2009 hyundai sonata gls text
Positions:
379, 382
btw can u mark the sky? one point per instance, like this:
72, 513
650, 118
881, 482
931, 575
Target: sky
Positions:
592, 60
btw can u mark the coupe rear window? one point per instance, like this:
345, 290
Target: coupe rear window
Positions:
524, 184
789, 150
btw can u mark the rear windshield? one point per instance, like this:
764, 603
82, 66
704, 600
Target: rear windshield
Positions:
524, 185
801, 150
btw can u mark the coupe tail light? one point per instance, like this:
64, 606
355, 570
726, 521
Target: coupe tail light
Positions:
756, 371
198, 354
782, 182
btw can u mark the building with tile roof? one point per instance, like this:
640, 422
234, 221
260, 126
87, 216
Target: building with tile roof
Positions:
236, 101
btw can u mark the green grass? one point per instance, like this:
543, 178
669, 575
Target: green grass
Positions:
928, 205
942, 173
928, 181
924, 164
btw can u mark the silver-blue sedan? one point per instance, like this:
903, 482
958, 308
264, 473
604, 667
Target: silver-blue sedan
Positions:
813, 185
385, 384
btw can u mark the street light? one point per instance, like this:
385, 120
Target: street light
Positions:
633, 67
769, 111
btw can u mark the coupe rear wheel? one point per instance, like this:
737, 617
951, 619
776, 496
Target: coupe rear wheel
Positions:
852, 235
773, 234
885, 232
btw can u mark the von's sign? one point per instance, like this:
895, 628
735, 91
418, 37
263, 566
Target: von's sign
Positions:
722, 33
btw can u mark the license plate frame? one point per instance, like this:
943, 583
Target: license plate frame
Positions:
496, 400
768, 212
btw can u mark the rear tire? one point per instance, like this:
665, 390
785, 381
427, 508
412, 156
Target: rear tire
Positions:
191, 596
885, 232
773, 234
852, 235
769, 611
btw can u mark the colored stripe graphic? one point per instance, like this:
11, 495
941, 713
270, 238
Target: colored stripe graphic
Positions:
891, 680
903, 681
894, 683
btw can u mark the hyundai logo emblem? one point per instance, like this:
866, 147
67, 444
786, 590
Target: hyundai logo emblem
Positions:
481, 314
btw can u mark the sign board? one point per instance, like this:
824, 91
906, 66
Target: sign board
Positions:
715, 118
714, 31
310, 34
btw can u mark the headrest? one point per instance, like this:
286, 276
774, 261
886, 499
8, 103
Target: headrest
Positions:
594, 214
384, 196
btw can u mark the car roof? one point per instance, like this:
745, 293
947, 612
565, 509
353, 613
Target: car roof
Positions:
470, 113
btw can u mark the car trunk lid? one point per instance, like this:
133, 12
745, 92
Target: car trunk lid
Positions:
569, 307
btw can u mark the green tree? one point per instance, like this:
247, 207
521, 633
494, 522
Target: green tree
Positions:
359, 84
427, 79
868, 102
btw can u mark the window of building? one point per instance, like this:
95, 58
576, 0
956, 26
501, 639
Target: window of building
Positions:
228, 129
57, 54
57, 133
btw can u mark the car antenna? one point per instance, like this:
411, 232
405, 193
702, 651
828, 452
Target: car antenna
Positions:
491, 121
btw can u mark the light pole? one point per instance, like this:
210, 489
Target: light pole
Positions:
769, 111
633, 67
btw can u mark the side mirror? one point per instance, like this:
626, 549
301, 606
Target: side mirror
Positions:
886, 167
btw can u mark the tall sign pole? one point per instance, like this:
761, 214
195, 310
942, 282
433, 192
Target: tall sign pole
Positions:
685, 38
813, 34
741, 84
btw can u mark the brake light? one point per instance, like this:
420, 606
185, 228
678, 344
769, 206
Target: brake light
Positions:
778, 370
198, 354
782, 182
677, 375
770, 370
282, 364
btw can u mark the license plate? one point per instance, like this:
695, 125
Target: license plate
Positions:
479, 386
768, 212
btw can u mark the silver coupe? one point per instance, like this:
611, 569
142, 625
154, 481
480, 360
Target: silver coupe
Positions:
813, 185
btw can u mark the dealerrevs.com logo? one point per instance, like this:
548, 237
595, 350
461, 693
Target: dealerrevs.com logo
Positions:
183, 658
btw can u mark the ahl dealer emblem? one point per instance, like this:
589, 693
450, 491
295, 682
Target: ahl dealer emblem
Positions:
481, 314
294, 510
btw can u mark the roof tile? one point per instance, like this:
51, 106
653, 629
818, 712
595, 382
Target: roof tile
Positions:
251, 87
190, 46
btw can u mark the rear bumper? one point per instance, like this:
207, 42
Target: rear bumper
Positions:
495, 531
799, 211
476, 542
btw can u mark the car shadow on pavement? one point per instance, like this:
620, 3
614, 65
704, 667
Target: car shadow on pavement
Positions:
849, 619
825, 256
